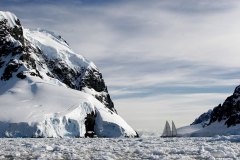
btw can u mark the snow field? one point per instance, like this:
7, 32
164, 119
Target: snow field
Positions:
54, 47
216, 128
215, 148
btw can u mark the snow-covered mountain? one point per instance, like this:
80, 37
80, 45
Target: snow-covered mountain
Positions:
47, 90
222, 120
203, 119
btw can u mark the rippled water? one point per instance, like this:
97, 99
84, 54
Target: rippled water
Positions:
121, 148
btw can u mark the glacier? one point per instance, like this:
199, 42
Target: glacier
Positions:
49, 110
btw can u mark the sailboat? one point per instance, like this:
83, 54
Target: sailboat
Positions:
168, 132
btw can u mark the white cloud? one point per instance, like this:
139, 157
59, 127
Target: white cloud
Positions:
152, 112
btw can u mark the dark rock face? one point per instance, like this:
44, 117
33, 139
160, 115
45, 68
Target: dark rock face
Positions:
14, 45
6, 45
11, 43
90, 123
229, 111
93, 79
12, 66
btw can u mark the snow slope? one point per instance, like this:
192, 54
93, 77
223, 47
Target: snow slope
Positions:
47, 90
10, 17
34, 108
216, 128
54, 47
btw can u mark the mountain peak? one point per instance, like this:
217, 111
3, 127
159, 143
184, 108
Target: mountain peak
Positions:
33, 60
47, 55
11, 18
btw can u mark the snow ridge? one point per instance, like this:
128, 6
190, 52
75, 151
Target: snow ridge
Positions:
11, 18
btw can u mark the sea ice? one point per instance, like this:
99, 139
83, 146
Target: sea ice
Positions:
215, 148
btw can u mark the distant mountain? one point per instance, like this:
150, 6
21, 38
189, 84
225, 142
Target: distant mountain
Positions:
47, 90
203, 119
222, 120
229, 111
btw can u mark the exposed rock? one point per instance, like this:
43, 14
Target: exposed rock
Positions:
229, 112
12, 66
93, 79
21, 75
90, 123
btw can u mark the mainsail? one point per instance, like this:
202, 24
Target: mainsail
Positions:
174, 130
167, 130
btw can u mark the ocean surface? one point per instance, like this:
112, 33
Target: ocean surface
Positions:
146, 147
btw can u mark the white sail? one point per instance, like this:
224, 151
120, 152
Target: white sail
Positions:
174, 130
167, 130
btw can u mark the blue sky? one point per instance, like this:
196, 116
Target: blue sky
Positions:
166, 59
